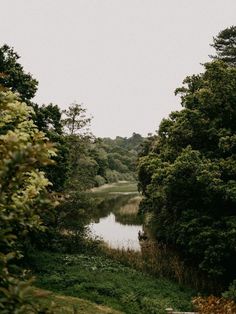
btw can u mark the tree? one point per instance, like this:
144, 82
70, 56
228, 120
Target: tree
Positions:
188, 175
13, 76
23, 196
225, 45
48, 119
78, 138
75, 120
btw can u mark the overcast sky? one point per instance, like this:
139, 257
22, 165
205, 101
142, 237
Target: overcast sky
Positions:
122, 59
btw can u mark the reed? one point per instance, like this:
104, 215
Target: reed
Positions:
132, 207
161, 261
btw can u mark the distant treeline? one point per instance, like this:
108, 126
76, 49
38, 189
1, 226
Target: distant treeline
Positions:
115, 159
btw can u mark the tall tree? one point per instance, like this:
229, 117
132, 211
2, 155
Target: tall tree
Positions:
76, 126
48, 119
75, 120
188, 175
225, 45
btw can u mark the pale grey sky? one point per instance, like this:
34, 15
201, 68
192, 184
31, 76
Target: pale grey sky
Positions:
122, 58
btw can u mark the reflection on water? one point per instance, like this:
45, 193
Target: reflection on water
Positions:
115, 219
116, 234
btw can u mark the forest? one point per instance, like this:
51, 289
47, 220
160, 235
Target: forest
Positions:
185, 172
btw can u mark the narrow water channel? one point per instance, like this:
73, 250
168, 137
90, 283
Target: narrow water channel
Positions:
116, 219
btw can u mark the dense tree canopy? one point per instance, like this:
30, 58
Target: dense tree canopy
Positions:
116, 158
188, 175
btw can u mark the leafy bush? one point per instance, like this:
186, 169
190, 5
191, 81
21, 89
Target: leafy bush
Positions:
99, 180
23, 197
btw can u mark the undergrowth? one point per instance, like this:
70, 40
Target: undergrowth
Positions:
105, 281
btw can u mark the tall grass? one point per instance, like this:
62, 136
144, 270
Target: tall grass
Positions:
132, 207
159, 260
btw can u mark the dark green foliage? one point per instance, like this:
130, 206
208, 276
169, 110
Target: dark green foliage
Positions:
96, 161
188, 175
225, 45
12, 74
117, 158
82, 168
48, 119
68, 230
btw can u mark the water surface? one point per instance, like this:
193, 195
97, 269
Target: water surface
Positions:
115, 234
115, 219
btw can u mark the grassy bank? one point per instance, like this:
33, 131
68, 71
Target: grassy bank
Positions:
118, 187
104, 281
158, 260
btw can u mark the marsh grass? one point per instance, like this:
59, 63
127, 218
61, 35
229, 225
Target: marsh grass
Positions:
160, 261
128, 213
132, 207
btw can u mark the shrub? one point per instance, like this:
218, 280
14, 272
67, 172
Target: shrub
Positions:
23, 187
99, 180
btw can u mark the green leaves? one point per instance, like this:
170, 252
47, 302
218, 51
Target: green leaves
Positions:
75, 120
23, 194
225, 45
188, 173
13, 75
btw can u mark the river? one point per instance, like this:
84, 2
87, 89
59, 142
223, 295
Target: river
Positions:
116, 220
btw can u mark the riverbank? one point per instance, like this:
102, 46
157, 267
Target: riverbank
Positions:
104, 281
123, 187
115, 278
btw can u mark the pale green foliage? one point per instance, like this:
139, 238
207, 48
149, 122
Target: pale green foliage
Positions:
22, 150
23, 193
